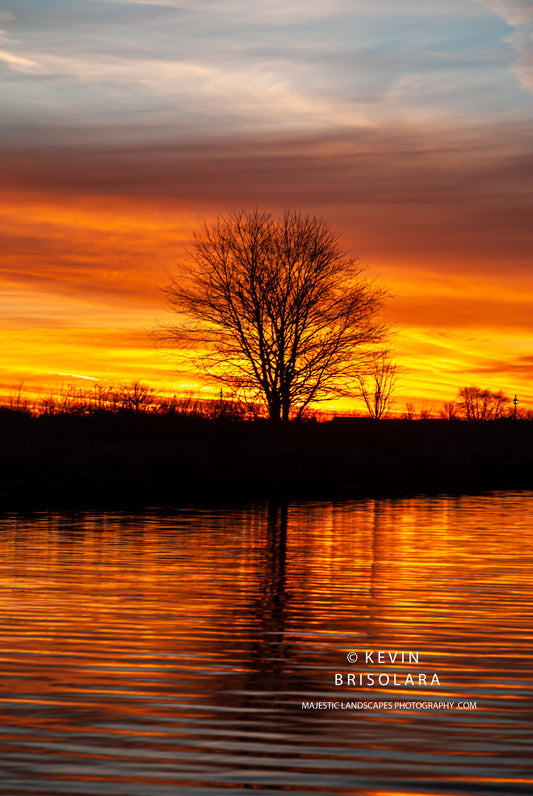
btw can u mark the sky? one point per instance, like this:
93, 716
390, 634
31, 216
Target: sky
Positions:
126, 123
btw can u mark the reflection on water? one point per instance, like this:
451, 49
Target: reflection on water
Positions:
171, 653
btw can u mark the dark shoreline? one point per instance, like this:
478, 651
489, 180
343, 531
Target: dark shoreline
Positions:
127, 461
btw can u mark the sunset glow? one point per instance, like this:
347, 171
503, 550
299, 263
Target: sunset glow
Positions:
405, 125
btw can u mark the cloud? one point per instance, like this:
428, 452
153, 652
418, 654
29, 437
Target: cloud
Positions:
314, 8
17, 62
520, 366
265, 98
409, 195
274, 11
14, 61
523, 66
242, 66
514, 12
485, 310
518, 14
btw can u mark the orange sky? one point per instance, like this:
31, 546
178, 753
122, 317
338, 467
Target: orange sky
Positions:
68, 316
113, 153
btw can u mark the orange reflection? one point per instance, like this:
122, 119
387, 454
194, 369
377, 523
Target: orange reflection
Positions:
149, 641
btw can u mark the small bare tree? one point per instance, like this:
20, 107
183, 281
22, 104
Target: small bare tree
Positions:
136, 396
277, 308
18, 402
377, 383
449, 411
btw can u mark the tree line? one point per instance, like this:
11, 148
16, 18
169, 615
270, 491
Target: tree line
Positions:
135, 397
472, 404
479, 404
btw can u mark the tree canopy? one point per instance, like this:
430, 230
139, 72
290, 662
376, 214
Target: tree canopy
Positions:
276, 308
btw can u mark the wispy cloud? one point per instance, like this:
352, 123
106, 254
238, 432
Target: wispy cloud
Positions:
277, 10
181, 65
443, 195
265, 98
17, 62
299, 9
13, 60
518, 14
515, 12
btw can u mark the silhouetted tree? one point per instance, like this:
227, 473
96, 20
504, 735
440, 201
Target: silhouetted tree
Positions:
377, 384
410, 413
137, 397
449, 411
277, 308
478, 404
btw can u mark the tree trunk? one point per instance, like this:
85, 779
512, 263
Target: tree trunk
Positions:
274, 409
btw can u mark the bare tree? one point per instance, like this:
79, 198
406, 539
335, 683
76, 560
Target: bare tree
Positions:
449, 411
277, 308
136, 396
410, 413
478, 404
377, 384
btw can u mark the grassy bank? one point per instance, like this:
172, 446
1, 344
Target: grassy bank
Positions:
135, 459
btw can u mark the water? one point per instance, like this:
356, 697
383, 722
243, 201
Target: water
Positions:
170, 653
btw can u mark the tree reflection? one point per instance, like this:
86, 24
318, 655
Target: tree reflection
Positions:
269, 648
275, 677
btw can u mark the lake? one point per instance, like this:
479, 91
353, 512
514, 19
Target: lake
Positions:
374, 647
